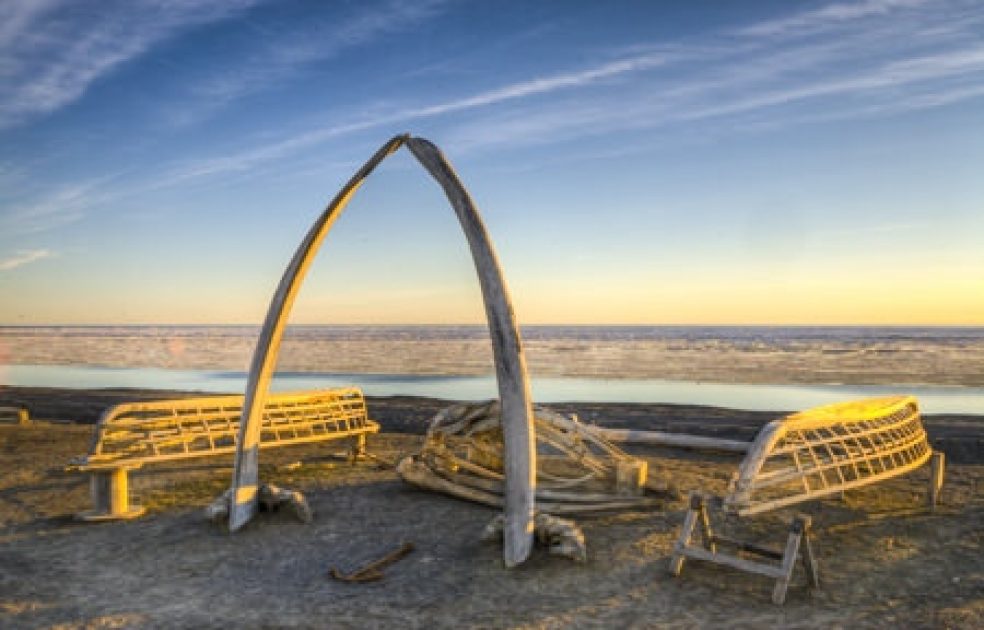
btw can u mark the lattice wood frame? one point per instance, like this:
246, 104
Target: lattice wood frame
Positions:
827, 450
133, 434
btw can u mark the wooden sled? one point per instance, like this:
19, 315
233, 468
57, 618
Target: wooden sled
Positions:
806, 456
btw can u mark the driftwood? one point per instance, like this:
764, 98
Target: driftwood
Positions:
577, 471
374, 570
680, 440
514, 391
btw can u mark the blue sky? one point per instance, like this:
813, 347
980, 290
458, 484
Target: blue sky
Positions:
636, 162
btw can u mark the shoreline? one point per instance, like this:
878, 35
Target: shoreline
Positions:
883, 555
960, 436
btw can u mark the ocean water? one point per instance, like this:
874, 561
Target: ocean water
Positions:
750, 396
767, 368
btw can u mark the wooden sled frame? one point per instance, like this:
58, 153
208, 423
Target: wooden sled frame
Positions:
828, 450
131, 435
805, 456
798, 544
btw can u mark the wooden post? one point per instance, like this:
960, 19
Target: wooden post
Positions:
661, 438
686, 533
18, 415
705, 527
937, 470
800, 525
110, 491
809, 559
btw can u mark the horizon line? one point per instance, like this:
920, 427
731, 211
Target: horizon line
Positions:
484, 324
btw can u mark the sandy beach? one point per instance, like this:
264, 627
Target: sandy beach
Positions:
885, 559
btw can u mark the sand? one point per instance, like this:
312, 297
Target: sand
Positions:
885, 559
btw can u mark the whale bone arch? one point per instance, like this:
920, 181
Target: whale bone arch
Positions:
510, 363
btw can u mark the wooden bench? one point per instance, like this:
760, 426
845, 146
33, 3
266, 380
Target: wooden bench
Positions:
132, 435
15, 415
806, 456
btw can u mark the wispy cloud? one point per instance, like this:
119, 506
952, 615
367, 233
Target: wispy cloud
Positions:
775, 63
57, 207
831, 15
921, 60
51, 51
512, 92
877, 57
276, 56
22, 258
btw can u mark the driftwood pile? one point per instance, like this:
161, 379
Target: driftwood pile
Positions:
577, 471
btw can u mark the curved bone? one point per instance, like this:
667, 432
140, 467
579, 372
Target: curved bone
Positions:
511, 372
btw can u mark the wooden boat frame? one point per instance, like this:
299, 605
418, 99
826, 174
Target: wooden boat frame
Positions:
828, 450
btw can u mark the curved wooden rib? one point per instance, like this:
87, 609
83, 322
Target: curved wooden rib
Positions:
829, 449
510, 363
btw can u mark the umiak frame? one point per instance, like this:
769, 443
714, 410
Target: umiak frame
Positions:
510, 363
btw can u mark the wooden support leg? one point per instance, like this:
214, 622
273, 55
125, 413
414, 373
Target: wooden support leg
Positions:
358, 451
110, 490
800, 525
937, 470
689, 523
705, 529
810, 560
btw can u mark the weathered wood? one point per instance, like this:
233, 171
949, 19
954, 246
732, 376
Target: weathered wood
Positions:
937, 472
661, 438
110, 492
686, 534
809, 559
827, 450
548, 495
374, 570
134, 434
705, 528
420, 475
15, 415
510, 363
798, 539
796, 531
741, 545
749, 566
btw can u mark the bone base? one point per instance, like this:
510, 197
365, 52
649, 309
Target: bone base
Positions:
561, 536
271, 498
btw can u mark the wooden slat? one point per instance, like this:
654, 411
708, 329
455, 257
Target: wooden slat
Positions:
143, 433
